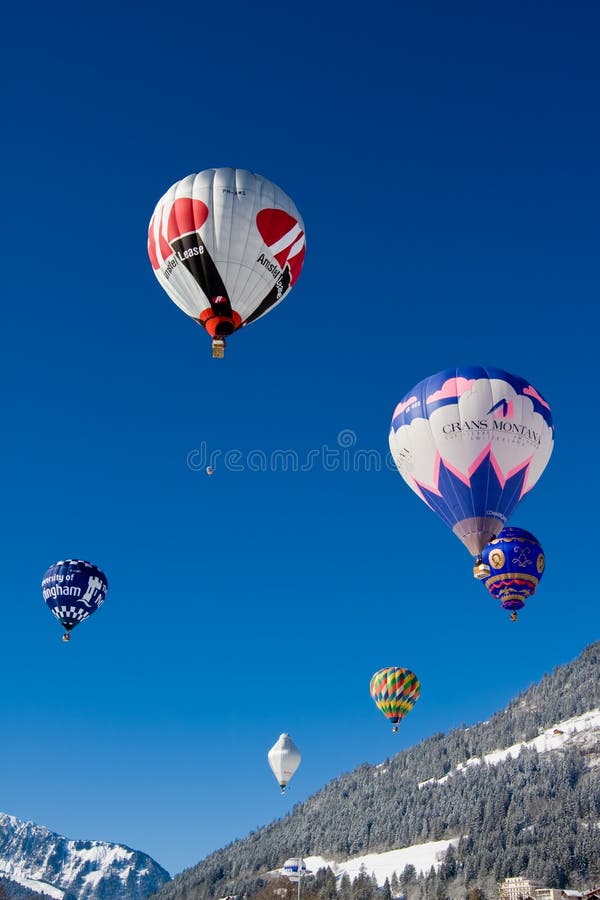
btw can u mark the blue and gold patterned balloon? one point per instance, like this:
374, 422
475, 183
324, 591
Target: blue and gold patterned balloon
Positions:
516, 562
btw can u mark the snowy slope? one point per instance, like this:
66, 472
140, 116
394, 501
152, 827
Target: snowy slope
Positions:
582, 731
383, 865
40, 887
43, 861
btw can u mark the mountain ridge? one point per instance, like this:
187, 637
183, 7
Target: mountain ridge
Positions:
506, 816
62, 868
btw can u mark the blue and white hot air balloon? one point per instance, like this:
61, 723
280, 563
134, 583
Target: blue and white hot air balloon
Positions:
295, 869
471, 442
73, 589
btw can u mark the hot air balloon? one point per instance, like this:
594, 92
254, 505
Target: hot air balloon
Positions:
471, 442
284, 758
295, 869
516, 563
210, 470
395, 692
227, 246
73, 589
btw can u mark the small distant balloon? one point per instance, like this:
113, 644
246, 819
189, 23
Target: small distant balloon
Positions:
284, 758
395, 691
209, 470
516, 563
73, 590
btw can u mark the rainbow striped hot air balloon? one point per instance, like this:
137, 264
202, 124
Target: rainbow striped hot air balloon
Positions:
395, 692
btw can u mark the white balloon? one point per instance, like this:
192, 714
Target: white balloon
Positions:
284, 758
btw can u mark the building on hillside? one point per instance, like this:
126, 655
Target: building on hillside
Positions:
547, 894
519, 888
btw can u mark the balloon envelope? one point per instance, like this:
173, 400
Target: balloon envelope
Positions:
395, 691
284, 758
516, 562
227, 246
471, 442
295, 868
74, 589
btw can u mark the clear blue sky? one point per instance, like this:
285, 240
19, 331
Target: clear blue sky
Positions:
445, 160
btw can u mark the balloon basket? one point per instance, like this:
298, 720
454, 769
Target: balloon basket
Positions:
481, 570
66, 637
218, 348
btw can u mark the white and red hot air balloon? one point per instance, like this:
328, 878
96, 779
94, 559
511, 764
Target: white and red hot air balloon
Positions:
284, 758
227, 246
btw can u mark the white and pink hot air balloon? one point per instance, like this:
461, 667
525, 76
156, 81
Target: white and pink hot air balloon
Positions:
471, 442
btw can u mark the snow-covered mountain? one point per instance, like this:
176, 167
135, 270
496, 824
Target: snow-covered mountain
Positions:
517, 794
581, 732
48, 863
